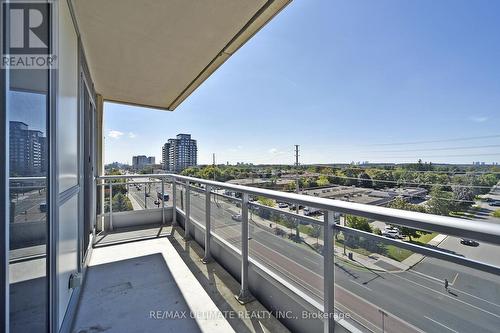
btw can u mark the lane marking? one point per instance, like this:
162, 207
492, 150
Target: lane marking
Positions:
456, 289
427, 276
393, 316
454, 280
453, 298
442, 325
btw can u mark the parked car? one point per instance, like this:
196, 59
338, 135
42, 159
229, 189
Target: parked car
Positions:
392, 232
469, 242
282, 205
311, 211
495, 203
236, 217
43, 207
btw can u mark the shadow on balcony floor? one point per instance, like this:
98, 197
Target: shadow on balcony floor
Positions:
221, 287
143, 287
131, 234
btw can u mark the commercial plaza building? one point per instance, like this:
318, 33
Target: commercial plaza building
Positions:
69, 263
179, 153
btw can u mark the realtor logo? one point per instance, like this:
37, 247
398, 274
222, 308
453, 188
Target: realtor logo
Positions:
27, 34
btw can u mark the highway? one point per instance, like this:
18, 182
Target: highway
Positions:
413, 300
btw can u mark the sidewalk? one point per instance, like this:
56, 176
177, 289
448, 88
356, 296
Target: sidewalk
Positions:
135, 204
417, 257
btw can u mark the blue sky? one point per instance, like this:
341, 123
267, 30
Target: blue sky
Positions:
348, 80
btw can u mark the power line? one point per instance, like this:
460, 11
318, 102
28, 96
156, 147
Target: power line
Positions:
455, 155
410, 183
412, 171
436, 141
435, 149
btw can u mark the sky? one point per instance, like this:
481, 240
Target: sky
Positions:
347, 80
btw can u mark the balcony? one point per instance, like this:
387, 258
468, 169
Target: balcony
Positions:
155, 258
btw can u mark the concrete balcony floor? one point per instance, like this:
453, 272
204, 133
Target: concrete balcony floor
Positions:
137, 286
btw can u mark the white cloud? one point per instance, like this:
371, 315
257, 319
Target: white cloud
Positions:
478, 119
132, 135
115, 134
273, 150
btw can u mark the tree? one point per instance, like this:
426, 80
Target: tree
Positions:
121, 203
409, 232
266, 201
315, 232
400, 203
441, 202
322, 180
359, 223
464, 195
290, 223
364, 180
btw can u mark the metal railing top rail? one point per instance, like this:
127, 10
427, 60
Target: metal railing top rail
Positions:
478, 230
27, 178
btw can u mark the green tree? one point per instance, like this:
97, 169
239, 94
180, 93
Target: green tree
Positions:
266, 201
359, 223
364, 180
322, 180
315, 232
121, 203
441, 202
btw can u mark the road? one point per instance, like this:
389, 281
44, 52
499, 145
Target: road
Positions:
413, 300
27, 206
410, 297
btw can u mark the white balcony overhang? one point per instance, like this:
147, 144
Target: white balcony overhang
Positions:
156, 53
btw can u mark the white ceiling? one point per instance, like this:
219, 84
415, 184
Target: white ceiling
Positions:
155, 53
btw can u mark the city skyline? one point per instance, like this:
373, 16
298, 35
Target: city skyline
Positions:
346, 81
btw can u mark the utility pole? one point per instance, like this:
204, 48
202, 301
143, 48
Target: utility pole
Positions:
297, 181
213, 164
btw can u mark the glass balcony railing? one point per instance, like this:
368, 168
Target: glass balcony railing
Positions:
444, 278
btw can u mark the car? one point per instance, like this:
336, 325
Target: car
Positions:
147, 194
468, 242
236, 217
283, 205
392, 232
43, 207
495, 203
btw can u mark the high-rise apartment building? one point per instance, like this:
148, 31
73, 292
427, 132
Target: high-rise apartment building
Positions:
179, 153
27, 150
139, 162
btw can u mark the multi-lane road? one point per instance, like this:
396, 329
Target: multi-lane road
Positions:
412, 300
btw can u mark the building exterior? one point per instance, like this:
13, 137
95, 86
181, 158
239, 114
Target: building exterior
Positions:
50, 175
165, 150
179, 153
139, 162
27, 150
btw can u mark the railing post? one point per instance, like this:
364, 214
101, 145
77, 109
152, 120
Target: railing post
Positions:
244, 296
208, 257
328, 269
145, 201
162, 200
187, 220
174, 202
110, 205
